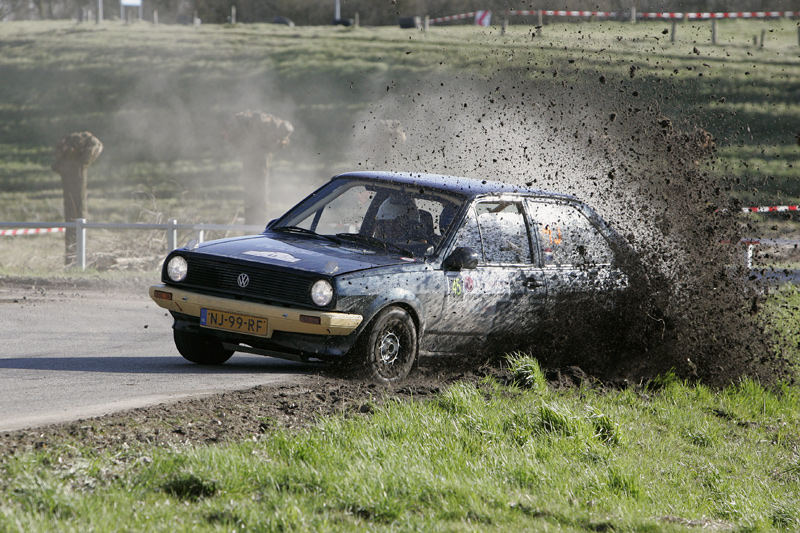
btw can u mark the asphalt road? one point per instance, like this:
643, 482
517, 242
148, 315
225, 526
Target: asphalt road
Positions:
71, 354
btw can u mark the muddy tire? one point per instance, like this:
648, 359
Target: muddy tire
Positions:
200, 349
388, 348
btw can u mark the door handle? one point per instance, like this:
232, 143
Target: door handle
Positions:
532, 283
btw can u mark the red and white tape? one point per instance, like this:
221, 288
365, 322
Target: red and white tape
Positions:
614, 14
29, 231
449, 18
549, 13
771, 209
723, 15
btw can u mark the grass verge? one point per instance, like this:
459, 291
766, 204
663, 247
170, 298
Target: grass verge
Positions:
477, 456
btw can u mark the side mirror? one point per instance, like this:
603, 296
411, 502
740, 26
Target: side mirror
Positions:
461, 258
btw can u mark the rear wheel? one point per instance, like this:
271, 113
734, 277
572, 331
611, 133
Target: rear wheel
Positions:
200, 349
389, 347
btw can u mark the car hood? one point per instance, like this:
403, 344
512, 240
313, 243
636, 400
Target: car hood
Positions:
308, 254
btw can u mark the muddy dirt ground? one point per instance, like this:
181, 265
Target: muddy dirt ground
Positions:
247, 414
234, 415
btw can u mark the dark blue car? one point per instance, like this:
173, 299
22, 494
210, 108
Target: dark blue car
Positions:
380, 267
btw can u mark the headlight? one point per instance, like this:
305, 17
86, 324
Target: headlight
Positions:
321, 292
177, 268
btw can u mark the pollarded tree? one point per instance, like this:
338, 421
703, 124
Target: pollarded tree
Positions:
256, 136
73, 156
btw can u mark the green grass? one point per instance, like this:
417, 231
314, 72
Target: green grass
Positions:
474, 458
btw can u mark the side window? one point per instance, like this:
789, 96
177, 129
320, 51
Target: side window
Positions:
567, 237
504, 233
469, 236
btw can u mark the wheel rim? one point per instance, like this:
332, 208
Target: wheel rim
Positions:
389, 348
392, 350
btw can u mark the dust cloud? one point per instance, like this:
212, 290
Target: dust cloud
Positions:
694, 310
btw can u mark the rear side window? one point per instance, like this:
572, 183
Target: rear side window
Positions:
567, 237
504, 233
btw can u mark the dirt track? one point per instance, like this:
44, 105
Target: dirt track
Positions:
227, 416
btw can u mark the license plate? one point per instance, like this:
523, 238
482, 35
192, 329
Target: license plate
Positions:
251, 325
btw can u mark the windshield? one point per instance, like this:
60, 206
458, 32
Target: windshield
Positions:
396, 217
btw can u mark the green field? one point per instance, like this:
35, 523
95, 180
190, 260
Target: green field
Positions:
668, 456
159, 98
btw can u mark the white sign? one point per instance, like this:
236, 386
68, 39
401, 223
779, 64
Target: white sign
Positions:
483, 18
131, 3
278, 256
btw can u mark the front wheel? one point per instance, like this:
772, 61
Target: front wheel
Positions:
200, 349
389, 346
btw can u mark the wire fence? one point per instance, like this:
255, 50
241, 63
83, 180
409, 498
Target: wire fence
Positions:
81, 227
171, 228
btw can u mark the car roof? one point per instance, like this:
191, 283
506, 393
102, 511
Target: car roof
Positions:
466, 186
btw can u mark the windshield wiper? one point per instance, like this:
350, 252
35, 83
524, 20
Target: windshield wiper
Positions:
304, 231
374, 242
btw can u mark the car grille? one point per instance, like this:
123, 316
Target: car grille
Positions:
265, 285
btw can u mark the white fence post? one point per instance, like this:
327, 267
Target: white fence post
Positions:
172, 234
80, 245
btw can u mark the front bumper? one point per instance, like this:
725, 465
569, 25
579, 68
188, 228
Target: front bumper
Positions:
278, 318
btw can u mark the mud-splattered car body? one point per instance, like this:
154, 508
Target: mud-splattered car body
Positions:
387, 265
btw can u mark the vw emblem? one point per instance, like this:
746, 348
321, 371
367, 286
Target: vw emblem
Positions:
243, 280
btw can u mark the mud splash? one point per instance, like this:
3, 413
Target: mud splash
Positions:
696, 312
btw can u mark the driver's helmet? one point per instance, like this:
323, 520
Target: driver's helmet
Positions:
397, 218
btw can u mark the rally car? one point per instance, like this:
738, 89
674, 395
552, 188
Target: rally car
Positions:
377, 268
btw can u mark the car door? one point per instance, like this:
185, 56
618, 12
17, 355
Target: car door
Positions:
501, 296
584, 283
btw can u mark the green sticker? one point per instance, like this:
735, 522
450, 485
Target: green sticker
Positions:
456, 287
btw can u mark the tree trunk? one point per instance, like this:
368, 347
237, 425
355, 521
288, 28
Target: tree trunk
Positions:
255, 174
73, 180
